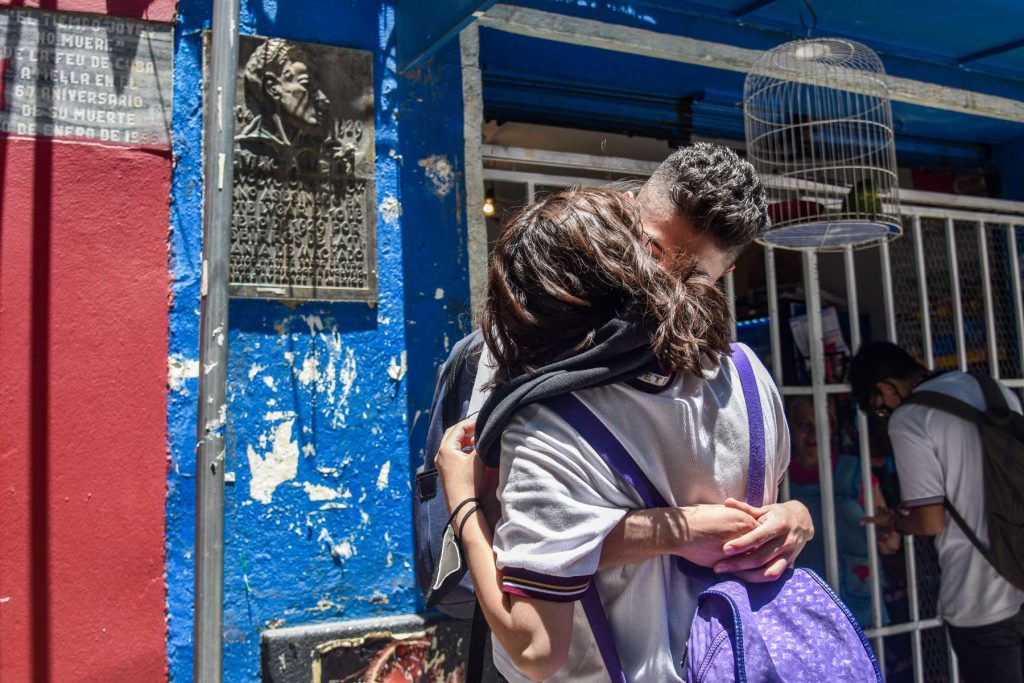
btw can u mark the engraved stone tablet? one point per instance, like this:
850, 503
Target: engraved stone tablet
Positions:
303, 224
85, 76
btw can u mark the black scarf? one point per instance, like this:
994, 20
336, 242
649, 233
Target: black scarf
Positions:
621, 350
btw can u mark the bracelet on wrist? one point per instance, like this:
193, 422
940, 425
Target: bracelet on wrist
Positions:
464, 503
465, 518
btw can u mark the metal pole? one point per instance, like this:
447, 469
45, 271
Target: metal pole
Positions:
954, 291
887, 296
815, 339
730, 294
218, 178
853, 306
773, 328
986, 291
1018, 300
773, 314
922, 281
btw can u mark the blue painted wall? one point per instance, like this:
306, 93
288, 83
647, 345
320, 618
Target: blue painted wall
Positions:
1009, 162
327, 402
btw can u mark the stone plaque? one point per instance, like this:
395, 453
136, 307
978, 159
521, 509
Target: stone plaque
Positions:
85, 76
304, 216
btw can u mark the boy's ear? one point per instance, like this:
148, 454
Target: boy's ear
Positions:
729, 270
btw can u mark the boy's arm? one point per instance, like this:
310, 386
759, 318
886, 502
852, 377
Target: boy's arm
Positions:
695, 532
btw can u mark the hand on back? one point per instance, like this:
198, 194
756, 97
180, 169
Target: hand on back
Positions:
767, 551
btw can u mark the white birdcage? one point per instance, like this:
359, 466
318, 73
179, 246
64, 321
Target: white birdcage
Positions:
819, 131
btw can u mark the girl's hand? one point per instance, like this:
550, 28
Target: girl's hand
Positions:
766, 552
461, 473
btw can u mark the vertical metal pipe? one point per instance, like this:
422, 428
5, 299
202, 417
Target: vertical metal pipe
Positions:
774, 335
730, 294
890, 306
908, 541
773, 314
816, 343
915, 609
922, 279
218, 178
954, 293
1018, 300
986, 293
954, 668
853, 306
531, 191
472, 135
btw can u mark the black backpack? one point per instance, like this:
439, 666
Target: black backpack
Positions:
452, 393
1002, 438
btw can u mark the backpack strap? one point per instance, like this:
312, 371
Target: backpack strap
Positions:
615, 455
995, 402
945, 403
948, 404
610, 449
755, 425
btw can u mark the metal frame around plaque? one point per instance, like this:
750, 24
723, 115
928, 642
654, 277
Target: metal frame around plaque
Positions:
304, 210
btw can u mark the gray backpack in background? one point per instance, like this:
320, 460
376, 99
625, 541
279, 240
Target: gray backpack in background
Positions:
1002, 438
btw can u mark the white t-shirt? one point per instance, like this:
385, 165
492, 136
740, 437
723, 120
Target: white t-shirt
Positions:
560, 499
939, 456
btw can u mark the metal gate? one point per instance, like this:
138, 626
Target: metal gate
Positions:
949, 291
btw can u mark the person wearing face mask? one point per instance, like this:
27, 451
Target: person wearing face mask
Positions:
939, 461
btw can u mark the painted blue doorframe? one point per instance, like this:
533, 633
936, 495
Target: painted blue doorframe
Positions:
327, 401
425, 27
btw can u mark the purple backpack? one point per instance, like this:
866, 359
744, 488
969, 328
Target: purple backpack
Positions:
794, 629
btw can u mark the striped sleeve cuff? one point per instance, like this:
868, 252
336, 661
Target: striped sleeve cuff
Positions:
527, 584
920, 502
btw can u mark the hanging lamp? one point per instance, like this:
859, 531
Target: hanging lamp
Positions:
819, 130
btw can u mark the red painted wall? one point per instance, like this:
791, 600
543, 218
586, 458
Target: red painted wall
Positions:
83, 456
153, 10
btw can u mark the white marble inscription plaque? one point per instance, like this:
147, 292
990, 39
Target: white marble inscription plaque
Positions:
85, 76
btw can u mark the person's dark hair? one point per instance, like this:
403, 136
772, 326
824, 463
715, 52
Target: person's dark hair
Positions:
877, 362
721, 193
571, 262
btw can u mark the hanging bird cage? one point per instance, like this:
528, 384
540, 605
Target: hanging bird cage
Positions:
819, 131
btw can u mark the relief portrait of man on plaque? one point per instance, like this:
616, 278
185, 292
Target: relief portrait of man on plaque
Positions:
303, 222
284, 109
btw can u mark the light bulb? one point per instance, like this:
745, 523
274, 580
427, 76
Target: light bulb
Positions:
488, 208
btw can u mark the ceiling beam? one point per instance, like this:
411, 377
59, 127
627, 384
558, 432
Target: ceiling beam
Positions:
751, 7
645, 43
992, 51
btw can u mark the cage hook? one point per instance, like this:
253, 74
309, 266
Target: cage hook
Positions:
814, 18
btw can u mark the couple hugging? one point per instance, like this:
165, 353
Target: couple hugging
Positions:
622, 426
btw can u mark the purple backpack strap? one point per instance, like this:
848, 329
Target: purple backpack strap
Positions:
611, 450
755, 425
615, 455
602, 630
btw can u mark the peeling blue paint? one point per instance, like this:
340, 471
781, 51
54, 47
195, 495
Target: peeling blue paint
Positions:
322, 438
